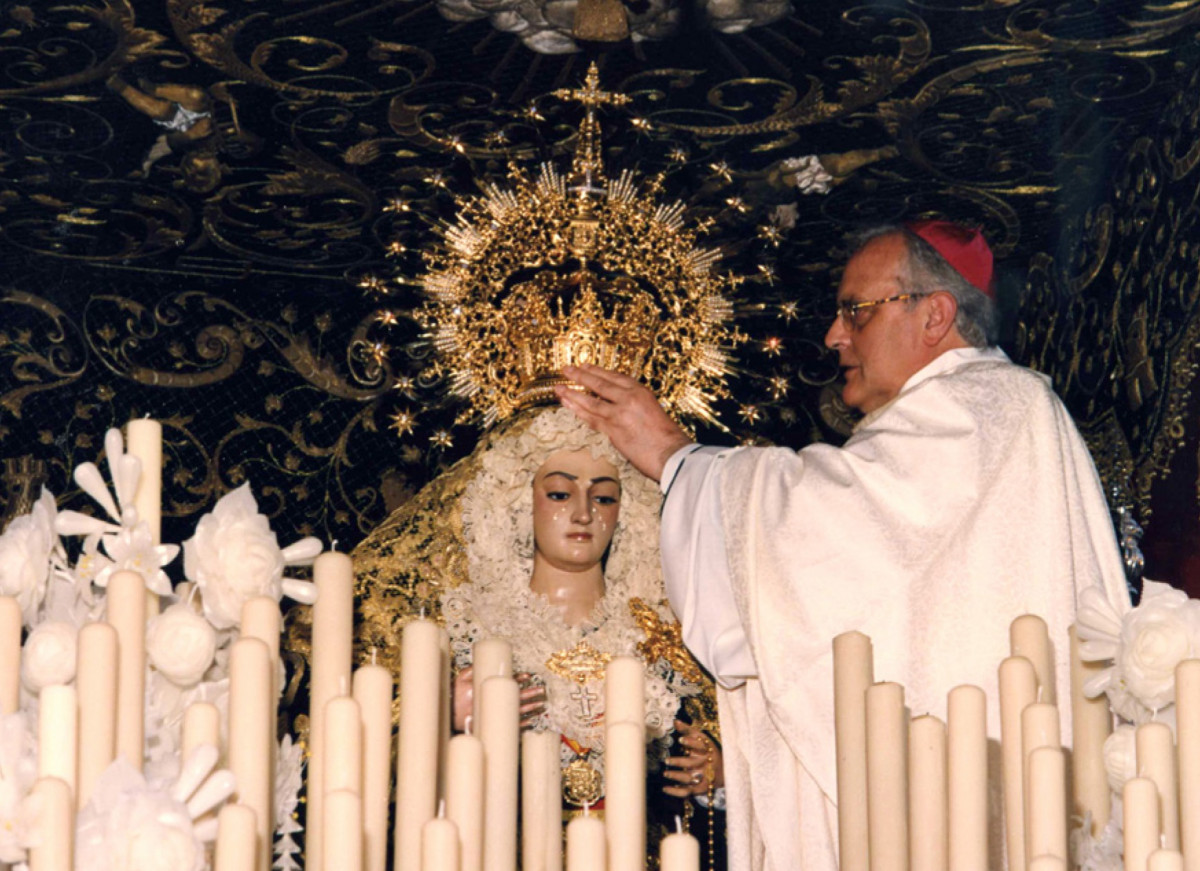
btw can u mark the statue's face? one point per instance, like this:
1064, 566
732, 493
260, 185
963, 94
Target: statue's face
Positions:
576, 500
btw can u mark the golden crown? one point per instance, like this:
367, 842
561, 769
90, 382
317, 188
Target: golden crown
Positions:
554, 270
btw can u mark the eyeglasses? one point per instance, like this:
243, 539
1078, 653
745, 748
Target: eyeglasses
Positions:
848, 311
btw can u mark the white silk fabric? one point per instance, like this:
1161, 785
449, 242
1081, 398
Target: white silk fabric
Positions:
968, 500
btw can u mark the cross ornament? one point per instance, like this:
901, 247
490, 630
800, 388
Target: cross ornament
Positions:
585, 697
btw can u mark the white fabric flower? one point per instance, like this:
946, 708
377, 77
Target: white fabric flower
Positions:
234, 556
131, 826
181, 644
1120, 756
809, 176
26, 547
48, 656
18, 770
1162, 631
289, 778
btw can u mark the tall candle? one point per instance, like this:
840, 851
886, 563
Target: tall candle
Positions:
343, 745
1040, 727
1018, 690
1047, 800
10, 655
237, 838
126, 612
54, 849
1141, 822
464, 796
418, 744
343, 843
887, 777
499, 708
58, 734
624, 690
96, 685
201, 725
373, 692
679, 851
250, 741
1156, 760
490, 657
261, 619
585, 844
144, 441
332, 637
968, 774
928, 834
1091, 724
439, 845
1028, 637
1187, 722
853, 672
625, 795
1047, 863
541, 802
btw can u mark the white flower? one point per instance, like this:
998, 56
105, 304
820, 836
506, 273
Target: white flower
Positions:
1157, 635
785, 216
234, 556
131, 826
810, 176
133, 549
26, 547
1120, 756
18, 769
181, 644
48, 657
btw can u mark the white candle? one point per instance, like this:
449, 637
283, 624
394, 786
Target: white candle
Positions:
250, 741
373, 692
1029, 638
1091, 724
624, 690
201, 725
144, 441
10, 655
679, 851
126, 612
1141, 822
332, 638
54, 850
490, 657
261, 619
343, 831
887, 777
625, 795
96, 685
968, 775
499, 707
928, 832
1018, 690
1040, 727
1047, 863
464, 796
853, 672
1166, 860
1156, 760
237, 839
343, 745
1047, 800
418, 743
1187, 721
541, 807
58, 734
439, 845
585, 844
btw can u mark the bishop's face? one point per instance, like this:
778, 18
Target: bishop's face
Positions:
576, 500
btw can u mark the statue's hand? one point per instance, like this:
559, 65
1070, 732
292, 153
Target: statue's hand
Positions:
699, 768
533, 699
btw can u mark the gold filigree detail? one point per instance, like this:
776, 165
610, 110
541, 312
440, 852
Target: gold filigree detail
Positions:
582, 784
664, 641
581, 664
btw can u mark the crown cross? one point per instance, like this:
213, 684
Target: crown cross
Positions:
588, 168
590, 95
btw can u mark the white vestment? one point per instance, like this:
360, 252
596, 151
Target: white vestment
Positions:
966, 501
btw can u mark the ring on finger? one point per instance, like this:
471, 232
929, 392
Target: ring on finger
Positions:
697, 777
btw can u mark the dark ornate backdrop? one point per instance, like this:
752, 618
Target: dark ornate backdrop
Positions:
245, 278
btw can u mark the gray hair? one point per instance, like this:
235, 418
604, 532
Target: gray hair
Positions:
926, 271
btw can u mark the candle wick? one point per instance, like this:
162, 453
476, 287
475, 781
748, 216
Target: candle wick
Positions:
678, 825
468, 722
422, 612
333, 546
441, 808
374, 660
587, 809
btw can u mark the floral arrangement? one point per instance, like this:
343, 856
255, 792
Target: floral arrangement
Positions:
1139, 648
159, 818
